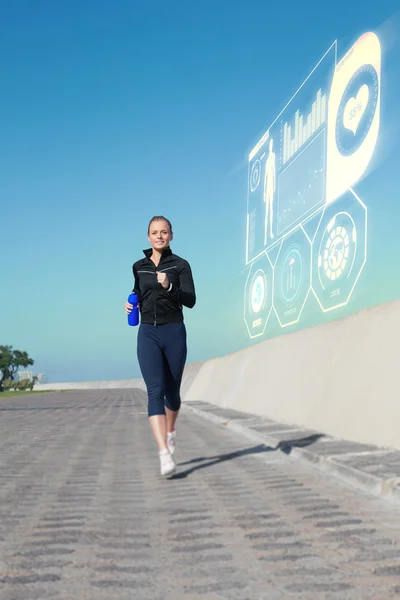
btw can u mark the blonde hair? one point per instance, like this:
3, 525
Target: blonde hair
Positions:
159, 218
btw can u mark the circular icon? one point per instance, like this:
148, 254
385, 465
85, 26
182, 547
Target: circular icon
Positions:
258, 292
336, 253
255, 175
292, 275
337, 249
357, 110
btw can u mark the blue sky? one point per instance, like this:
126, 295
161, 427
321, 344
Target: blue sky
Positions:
115, 111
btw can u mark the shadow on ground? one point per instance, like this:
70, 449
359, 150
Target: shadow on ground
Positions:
285, 446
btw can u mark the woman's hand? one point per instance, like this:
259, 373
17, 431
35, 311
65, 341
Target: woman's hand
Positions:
163, 279
128, 307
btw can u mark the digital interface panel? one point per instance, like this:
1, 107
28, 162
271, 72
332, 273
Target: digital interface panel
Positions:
306, 225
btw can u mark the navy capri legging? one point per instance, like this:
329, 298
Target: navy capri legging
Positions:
161, 351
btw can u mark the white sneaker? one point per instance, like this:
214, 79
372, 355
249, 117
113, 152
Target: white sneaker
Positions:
171, 442
167, 465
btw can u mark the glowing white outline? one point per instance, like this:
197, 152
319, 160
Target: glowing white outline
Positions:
262, 141
259, 274
299, 225
245, 298
247, 238
313, 210
277, 256
322, 209
259, 177
325, 310
293, 250
342, 212
333, 149
256, 148
308, 289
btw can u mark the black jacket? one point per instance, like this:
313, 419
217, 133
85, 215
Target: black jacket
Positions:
159, 306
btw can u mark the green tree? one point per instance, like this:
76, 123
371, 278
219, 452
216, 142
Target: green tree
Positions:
32, 383
10, 361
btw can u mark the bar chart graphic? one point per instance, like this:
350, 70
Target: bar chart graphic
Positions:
304, 127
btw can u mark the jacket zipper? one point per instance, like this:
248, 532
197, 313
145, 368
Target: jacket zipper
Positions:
154, 299
155, 271
155, 313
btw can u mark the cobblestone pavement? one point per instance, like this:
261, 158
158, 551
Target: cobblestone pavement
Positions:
85, 515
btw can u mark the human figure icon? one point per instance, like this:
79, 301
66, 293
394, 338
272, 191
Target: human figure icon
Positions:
269, 190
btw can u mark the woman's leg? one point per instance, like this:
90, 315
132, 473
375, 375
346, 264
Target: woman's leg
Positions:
151, 362
172, 416
175, 351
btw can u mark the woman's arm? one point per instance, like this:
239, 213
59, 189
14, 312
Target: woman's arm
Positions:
185, 294
136, 290
136, 285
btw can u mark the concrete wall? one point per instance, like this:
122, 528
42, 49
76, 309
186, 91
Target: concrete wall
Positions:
92, 385
189, 375
341, 378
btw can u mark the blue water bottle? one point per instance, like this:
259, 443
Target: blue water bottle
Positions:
133, 317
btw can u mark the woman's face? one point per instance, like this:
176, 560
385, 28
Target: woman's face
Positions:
159, 235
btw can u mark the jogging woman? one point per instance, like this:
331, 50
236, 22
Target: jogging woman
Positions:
163, 283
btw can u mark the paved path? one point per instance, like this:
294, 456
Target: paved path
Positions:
84, 514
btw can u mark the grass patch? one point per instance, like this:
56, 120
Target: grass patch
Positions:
10, 394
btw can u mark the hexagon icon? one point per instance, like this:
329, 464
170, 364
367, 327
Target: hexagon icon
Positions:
292, 277
258, 296
339, 251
